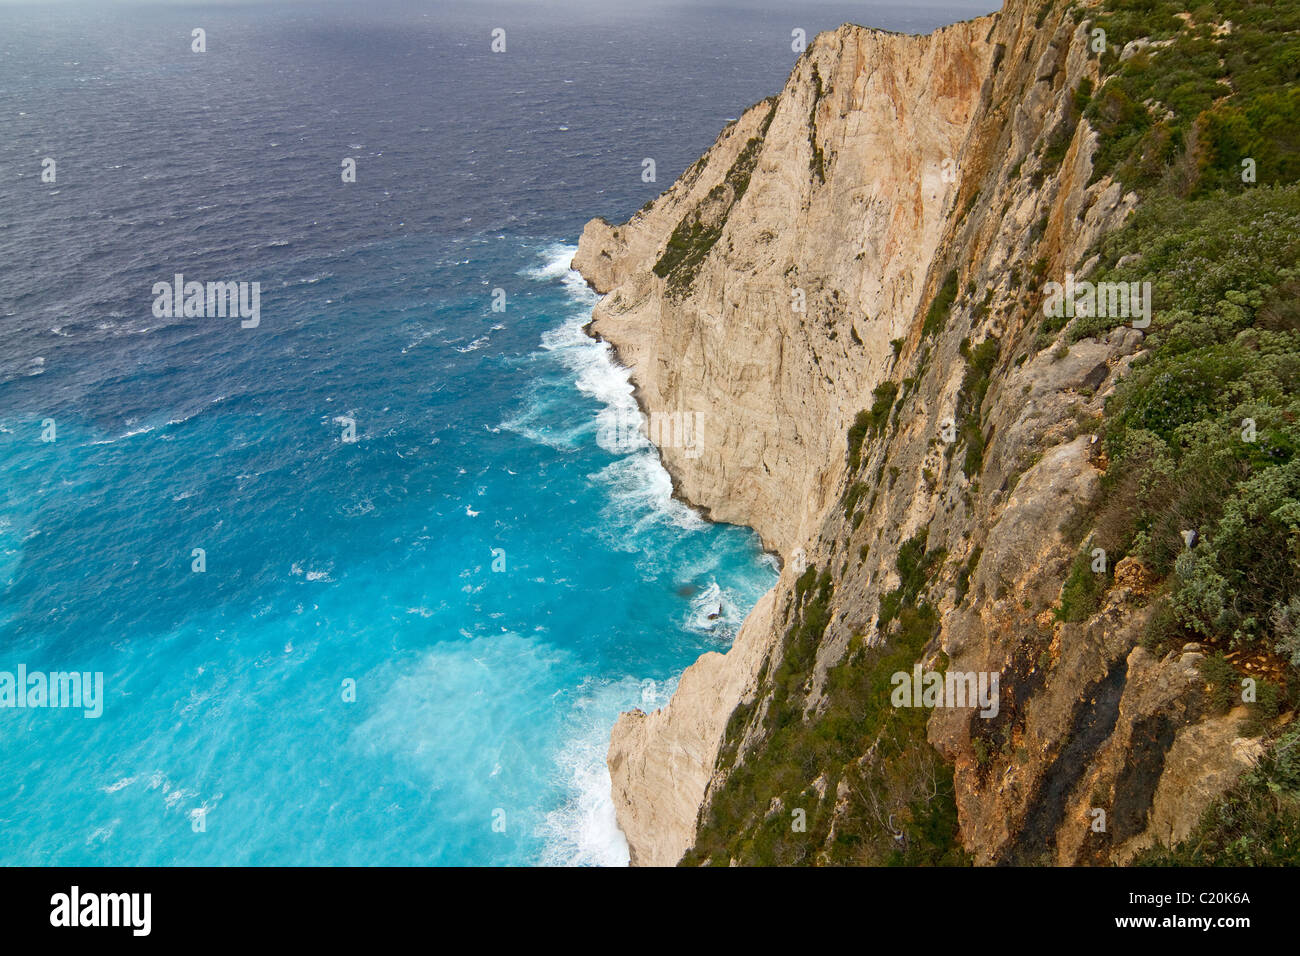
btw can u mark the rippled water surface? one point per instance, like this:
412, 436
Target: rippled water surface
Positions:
495, 576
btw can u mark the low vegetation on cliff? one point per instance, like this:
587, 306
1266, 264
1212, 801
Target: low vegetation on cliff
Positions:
1197, 112
1200, 115
700, 229
1190, 95
855, 784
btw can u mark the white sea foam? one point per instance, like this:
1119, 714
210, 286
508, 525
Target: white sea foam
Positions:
583, 831
298, 571
102, 834
526, 424
714, 612
640, 495
640, 489
119, 784
555, 265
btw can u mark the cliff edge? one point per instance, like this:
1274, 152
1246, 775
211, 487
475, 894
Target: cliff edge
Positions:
847, 291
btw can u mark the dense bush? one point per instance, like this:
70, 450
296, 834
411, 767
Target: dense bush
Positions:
937, 314
871, 422
1217, 87
1209, 424
970, 401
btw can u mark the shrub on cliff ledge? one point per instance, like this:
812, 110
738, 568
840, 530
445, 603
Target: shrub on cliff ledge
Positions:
937, 315
1208, 424
1183, 114
970, 401
870, 422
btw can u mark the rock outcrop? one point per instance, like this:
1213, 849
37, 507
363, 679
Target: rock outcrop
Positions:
661, 762
835, 188
846, 246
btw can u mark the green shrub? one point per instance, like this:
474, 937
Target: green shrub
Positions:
937, 315
882, 403
870, 422
970, 401
1084, 588
857, 435
699, 230
1206, 430
1201, 102
853, 496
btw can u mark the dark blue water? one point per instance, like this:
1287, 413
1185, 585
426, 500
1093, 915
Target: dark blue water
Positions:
495, 577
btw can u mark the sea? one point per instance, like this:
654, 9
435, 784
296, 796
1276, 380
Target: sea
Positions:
369, 581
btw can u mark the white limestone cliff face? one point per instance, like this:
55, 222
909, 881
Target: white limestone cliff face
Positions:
778, 388
886, 165
661, 763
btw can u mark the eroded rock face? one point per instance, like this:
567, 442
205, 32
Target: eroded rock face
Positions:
1205, 760
661, 763
842, 208
847, 194
891, 170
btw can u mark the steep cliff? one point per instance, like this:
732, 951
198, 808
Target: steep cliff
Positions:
847, 290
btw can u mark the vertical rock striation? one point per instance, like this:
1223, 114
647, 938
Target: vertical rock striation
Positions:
846, 194
854, 243
836, 188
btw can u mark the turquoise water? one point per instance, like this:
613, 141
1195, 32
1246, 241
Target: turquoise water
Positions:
405, 649
481, 695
